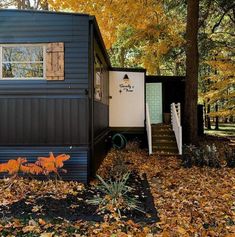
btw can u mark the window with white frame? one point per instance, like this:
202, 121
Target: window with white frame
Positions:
22, 62
99, 70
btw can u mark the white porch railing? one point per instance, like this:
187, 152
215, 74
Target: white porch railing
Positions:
149, 129
176, 124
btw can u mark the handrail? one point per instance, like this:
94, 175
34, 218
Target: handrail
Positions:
149, 129
176, 124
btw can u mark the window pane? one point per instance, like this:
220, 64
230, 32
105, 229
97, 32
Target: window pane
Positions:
22, 70
22, 54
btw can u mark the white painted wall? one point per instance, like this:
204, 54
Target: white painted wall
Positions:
126, 108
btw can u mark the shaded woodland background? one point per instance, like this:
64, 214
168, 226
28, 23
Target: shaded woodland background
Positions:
151, 34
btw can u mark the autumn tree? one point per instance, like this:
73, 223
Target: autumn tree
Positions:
25, 4
192, 63
151, 34
220, 92
138, 33
217, 62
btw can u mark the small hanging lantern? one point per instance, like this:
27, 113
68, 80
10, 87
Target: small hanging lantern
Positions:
126, 79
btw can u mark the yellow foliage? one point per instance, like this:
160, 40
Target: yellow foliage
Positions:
220, 86
158, 32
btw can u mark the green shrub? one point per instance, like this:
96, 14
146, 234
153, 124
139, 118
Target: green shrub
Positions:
206, 155
230, 157
191, 156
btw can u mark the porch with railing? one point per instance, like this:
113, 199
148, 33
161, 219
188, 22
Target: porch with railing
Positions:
176, 124
163, 138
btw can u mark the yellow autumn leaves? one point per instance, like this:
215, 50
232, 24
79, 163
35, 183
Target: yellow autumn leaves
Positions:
155, 31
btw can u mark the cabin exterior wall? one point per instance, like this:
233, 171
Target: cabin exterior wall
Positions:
40, 116
41, 112
100, 106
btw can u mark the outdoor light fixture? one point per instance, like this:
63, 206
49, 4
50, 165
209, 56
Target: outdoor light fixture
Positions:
126, 78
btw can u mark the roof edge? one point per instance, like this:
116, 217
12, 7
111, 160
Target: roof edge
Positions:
120, 69
44, 11
154, 78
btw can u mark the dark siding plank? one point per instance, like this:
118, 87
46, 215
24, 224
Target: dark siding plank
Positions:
27, 122
66, 121
43, 121
75, 120
35, 121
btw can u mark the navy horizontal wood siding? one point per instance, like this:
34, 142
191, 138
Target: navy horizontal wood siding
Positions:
101, 108
43, 121
41, 112
40, 116
36, 27
100, 112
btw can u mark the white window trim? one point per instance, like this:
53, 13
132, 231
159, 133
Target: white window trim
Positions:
97, 59
30, 78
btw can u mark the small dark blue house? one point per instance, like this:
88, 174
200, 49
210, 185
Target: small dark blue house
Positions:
59, 93
54, 76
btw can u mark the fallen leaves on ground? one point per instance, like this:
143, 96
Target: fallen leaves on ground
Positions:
32, 188
191, 202
195, 202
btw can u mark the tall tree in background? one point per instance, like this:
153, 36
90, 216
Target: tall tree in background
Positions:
25, 4
151, 34
217, 71
136, 32
192, 65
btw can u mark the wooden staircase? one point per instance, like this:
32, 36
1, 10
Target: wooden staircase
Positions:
163, 140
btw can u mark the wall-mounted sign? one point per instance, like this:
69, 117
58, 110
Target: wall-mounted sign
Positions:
126, 86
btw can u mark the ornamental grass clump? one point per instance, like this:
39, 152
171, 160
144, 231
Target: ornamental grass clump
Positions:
116, 197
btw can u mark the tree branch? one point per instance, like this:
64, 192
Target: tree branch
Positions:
222, 17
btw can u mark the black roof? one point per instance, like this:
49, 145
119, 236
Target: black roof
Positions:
151, 78
43, 11
128, 69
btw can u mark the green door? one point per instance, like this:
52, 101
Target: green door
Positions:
154, 100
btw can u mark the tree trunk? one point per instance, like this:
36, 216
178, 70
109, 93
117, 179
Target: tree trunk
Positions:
122, 57
28, 4
192, 61
19, 4
23, 4
158, 71
216, 118
208, 117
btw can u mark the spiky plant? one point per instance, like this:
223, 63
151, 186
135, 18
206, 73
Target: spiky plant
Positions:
116, 196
